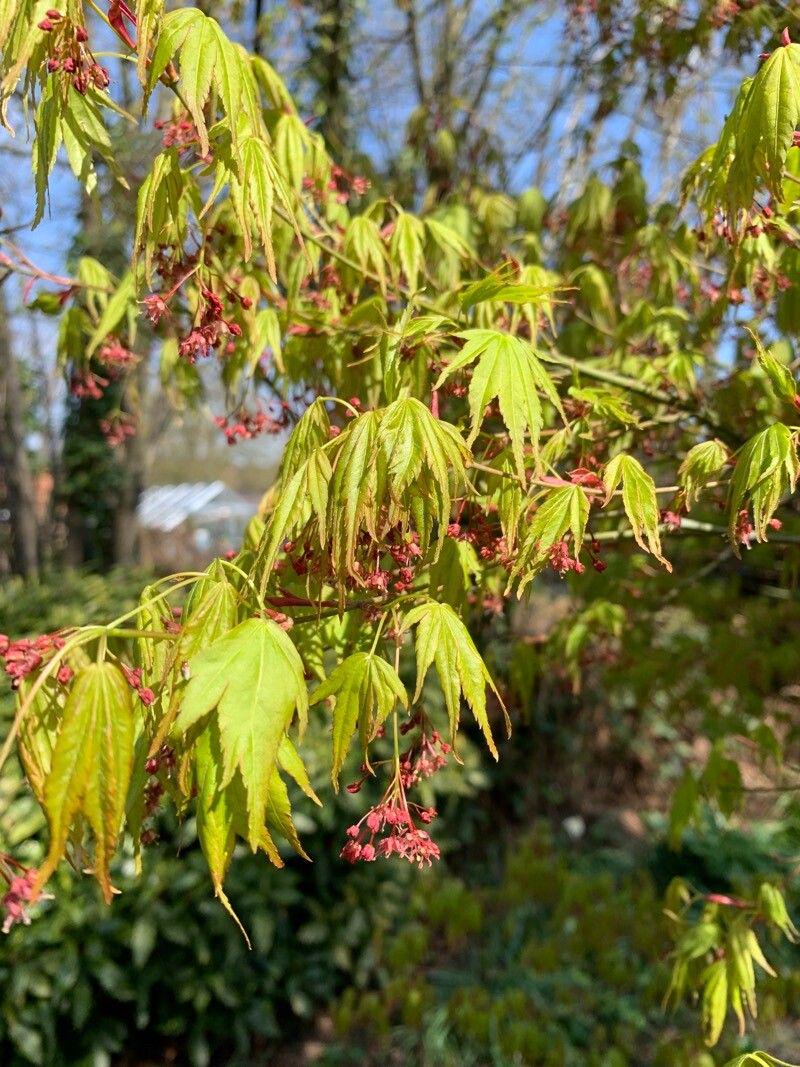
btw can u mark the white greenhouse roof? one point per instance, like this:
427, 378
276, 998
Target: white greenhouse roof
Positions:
166, 507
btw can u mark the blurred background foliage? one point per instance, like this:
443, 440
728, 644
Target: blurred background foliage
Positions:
540, 938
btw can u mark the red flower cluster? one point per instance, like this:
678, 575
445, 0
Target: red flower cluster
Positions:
155, 307
22, 657
210, 328
180, 133
70, 53
744, 528
484, 537
118, 429
405, 553
425, 757
250, 424
165, 757
115, 355
561, 561
133, 676
162, 762
723, 12
21, 882
85, 385
342, 184
388, 829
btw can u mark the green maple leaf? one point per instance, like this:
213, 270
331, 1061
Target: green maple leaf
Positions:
563, 510
252, 679
365, 689
766, 469
507, 368
700, 465
639, 500
91, 766
769, 116
222, 808
443, 639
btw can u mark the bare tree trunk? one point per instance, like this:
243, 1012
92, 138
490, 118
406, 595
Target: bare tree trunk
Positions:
14, 466
258, 29
132, 469
329, 49
51, 535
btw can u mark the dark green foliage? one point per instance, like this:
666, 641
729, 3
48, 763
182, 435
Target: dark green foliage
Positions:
557, 962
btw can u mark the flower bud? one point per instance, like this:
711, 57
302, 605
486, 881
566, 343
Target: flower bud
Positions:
46, 25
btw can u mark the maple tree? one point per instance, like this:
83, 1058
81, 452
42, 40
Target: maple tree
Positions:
466, 406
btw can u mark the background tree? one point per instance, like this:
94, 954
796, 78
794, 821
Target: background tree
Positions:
17, 479
481, 387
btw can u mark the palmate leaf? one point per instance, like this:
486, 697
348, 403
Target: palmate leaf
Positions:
294, 144
700, 465
47, 126
215, 817
75, 121
311, 432
208, 60
252, 680
757, 134
639, 500
148, 23
159, 207
715, 1000
604, 404
507, 368
222, 808
210, 612
23, 44
255, 185
407, 246
564, 510
769, 116
504, 286
390, 463
454, 573
120, 305
388, 468
363, 243
91, 767
708, 175
780, 377
305, 493
365, 689
443, 639
38, 732
358, 483
417, 447
766, 469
